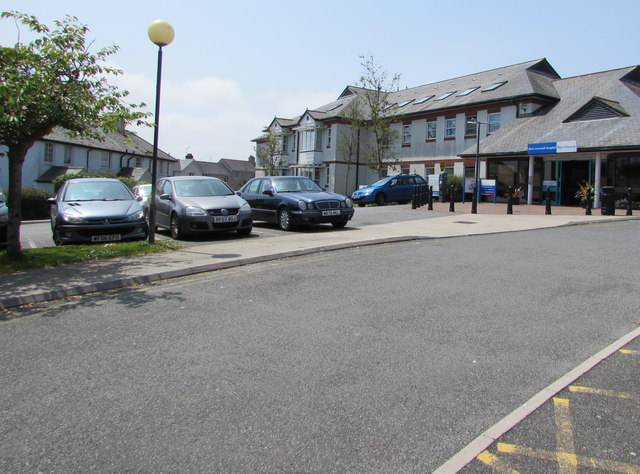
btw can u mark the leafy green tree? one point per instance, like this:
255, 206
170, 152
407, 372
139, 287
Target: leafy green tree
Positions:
55, 80
377, 86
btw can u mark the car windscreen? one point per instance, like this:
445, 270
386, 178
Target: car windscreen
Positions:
97, 191
144, 190
284, 185
380, 182
201, 188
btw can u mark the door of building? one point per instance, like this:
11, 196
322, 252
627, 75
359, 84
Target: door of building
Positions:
572, 174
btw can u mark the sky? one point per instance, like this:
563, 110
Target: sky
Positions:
235, 65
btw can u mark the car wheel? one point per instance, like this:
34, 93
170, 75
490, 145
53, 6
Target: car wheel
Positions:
246, 231
56, 237
339, 224
284, 219
176, 230
381, 199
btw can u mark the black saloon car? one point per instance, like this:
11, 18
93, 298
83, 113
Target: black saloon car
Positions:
89, 210
293, 200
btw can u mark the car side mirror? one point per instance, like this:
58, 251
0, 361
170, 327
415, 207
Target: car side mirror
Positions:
268, 192
165, 197
51, 200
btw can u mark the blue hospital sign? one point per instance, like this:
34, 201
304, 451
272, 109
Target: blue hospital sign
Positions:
548, 148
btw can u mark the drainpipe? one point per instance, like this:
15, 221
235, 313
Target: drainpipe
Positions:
88, 151
358, 160
126, 152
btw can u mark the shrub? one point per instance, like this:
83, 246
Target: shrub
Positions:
457, 182
34, 204
57, 182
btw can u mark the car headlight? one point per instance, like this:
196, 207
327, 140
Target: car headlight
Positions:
245, 207
348, 202
193, 211
367, 192
136, 216
302, 205
72, 217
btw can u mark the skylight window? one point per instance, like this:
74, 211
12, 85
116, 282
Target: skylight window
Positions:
390, 106
468, 91
444, 96
424, 99
402, 104
493, 87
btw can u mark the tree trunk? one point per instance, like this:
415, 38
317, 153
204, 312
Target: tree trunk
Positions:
16, 155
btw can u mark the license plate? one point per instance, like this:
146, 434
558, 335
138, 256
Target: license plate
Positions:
106, 238
219, 219
331, 213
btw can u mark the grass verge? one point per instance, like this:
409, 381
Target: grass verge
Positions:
54, 256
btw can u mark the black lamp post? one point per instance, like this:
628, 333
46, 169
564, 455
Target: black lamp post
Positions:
160, 33
474, 202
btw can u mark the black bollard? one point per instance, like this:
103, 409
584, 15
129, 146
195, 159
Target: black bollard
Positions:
452, 207
414, 197
509, 200
547, 210
423, 195
587, 196
430, 199
629, 203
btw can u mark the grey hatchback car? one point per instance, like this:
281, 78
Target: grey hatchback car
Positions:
89, 210
197, 204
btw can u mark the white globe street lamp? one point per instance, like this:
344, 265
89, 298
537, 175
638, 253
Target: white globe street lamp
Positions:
160, 33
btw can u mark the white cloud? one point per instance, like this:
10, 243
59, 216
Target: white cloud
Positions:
212, 117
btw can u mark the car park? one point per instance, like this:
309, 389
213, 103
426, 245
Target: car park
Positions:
200, 204
4, 220
293, 200
390, 189
91, 210
143, 193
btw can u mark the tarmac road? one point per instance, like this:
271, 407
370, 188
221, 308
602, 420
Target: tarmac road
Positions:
388, 358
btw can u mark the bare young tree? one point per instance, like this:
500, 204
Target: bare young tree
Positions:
348, 144
377, 86
269, 153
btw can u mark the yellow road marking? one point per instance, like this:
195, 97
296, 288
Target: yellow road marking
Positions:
567, 461
604, 393
583, 461
496, 463
630, 352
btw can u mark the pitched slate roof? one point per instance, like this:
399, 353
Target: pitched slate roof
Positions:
551, 124
238, 165
527, 79
121, 142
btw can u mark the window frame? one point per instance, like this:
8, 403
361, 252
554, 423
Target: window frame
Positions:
406, 135
49, 152
433, 129
450, 131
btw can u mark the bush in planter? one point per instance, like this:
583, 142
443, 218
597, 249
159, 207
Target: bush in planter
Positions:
457, 182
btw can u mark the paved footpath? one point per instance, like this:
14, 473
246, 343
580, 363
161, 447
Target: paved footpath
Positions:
46, 284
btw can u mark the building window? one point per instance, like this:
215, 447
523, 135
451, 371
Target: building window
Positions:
284, 144
67, 155
430, 170
450, 129
329, 137
406, 135
104, 161
471, 127
293, 141
432, 127
138, 162
494, 122
318, 146
405, 169
48, 153
308, 140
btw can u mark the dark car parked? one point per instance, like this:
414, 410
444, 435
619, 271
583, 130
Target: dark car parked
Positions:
293, 200
390, 189
89, 210
196, 204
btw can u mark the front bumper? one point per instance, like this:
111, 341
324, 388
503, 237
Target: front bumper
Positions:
82, 233
313, 216
363, 198
198, 224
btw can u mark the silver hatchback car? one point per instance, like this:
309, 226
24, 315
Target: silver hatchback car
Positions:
197, 204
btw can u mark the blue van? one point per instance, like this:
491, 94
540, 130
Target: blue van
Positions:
390, 189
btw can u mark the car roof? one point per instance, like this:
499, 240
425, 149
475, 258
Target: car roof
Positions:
187, 178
